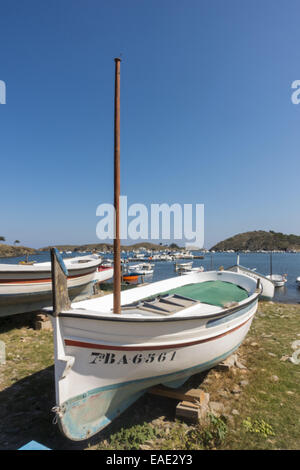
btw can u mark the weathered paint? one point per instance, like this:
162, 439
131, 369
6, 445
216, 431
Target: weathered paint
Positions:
60, 261
85, 415
12, 304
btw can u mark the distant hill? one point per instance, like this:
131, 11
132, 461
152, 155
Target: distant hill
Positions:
7, 251
109, 247
259, 240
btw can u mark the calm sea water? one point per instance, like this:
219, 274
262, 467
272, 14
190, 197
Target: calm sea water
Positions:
282, 263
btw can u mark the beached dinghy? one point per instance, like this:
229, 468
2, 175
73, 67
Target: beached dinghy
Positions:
268, 287
110, 350
166, 332
27, 287
104, 272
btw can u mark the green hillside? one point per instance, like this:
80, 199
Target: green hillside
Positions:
259, 240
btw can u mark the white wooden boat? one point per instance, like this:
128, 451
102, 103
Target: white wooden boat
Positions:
110, 350
142, 268
27, 287
103, 273
199, 269
268, 288
104, 361
278, 280
187, 255
183, 266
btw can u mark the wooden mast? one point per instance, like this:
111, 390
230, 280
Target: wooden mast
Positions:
117, 255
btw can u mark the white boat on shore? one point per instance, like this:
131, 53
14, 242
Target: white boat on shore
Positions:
268, 287
28, 287
166, 332
104, 273
109, 350
298, 281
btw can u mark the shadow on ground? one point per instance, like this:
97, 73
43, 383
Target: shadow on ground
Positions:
25, 413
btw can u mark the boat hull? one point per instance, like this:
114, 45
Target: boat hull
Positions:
105, 372
24, 297
277, 279
31, 291
268, 288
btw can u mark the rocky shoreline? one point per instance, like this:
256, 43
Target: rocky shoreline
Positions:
8, 251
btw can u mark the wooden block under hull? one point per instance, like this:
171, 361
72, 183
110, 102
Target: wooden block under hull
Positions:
189, 411
193, 395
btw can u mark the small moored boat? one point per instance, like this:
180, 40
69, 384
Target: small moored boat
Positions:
183, 266
268, 288
278, 280
142, 268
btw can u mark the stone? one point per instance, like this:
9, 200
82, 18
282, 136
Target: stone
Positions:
244, 383
240, 365
227, 363
145, 447
217, 408
236, 389
284, 358
275, 378
158, 421
43, 325
235, 412
42, 317
149, 442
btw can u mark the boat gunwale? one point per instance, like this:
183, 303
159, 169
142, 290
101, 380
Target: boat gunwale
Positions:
41, 268
248, 270
223, 313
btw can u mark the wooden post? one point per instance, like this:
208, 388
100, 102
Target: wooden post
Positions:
59, 274
117, 255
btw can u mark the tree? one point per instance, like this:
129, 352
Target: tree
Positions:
173, 245
16, 241
2, 239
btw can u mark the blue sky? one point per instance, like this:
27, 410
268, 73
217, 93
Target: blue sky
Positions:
206, 113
